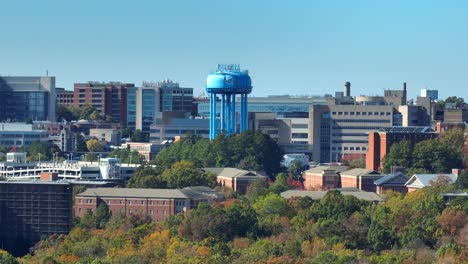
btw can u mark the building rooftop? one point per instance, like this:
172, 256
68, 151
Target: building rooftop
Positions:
321, 168
360, 172
186, 193
232, 172
394, 178
317, 195
424, 180
409, 129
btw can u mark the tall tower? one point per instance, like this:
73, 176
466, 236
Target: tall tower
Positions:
228, 82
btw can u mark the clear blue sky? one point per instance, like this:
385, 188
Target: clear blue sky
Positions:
290, 47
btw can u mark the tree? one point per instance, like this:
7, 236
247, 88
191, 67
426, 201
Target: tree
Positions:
102, 215
400, 154
184, 174
462, 180
80, 143
139, 136
7, 258
94, 145
295, 169
64, 113
204, 222
242, 220
146, 177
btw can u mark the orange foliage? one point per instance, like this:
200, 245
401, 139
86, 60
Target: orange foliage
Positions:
240, 243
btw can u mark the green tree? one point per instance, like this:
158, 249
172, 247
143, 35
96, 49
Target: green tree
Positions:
139, 136
146, 177
242, 220
184, 174
462, 180
400, 154
295, 169
64, 113
81, 143
102, 215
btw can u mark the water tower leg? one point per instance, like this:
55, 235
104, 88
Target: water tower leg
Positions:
234, 123
228, 114
215, 119
223, 112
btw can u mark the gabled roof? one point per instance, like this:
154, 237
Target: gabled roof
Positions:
317, 195
321, 168
232, 172
360, 172
423, 180
392, 179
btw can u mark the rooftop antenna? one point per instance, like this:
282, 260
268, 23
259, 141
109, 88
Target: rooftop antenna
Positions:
47, 72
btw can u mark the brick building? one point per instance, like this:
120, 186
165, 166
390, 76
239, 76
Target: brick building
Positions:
323, 177
108, 98
236, 179
362, 179
380, 142
30, 211
158, 204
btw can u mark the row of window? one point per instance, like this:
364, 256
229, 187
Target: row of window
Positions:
349, 148
362, 113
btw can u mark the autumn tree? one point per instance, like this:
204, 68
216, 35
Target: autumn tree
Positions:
94, 145
184, 174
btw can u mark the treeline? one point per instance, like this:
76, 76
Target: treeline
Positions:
439, 155
249, 150
262, 227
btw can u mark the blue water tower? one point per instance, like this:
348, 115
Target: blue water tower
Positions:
228, 82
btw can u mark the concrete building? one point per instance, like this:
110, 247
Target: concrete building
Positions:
236, 179
30, 211
108, 98
20, 134
157, 204
433, 94
106, 169
64, 97
27, 97
111, 136
172, 126
148, 150
362, 179
146, 103
380, 142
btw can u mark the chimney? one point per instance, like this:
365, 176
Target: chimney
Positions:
456, 172
347, 91
404, 86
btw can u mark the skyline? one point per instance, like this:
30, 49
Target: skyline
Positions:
295, 48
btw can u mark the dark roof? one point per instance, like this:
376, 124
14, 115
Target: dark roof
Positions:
409, 129
394, 178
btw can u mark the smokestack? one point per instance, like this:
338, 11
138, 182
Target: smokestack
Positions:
404, 86
347, 91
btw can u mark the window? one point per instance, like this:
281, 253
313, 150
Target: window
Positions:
142, 202
129, 202
151, 212
79, 210
120, 201
364, 148
345, 148
164, 203
164, 212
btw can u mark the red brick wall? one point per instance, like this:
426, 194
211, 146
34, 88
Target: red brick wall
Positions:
156, 209
349, 182
373, 151
313, 181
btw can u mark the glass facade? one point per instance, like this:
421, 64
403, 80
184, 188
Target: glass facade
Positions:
131, 108
148, 103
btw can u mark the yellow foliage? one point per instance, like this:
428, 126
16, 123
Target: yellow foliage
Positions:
240, 242
68, 259
318, 246
203, 251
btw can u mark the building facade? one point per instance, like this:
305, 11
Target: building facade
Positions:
30, 211
108, 98
380, 142
21, 134
146, 103
64, 97
157, 204
27, 97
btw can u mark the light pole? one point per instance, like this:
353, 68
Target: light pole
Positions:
39, 158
